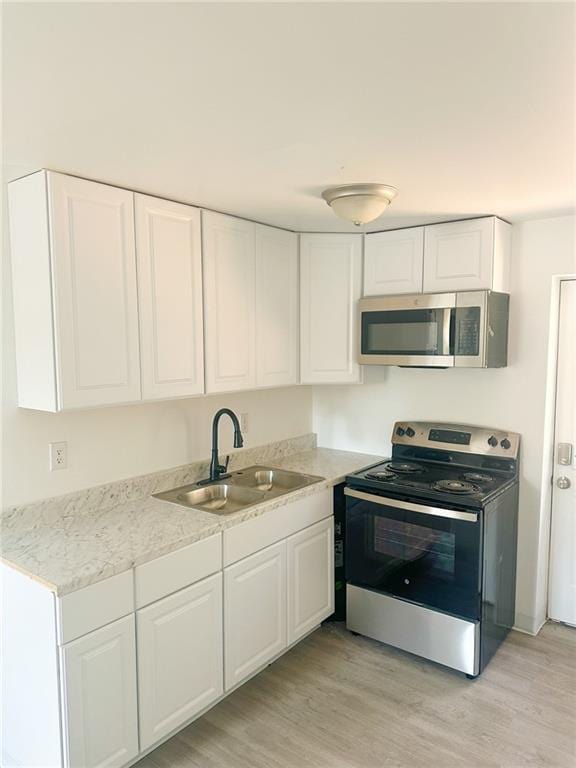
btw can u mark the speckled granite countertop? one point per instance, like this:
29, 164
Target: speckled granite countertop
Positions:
72, 541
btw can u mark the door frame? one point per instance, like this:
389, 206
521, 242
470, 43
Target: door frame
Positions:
542, 580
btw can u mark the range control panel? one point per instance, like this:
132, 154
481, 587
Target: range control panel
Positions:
457, 437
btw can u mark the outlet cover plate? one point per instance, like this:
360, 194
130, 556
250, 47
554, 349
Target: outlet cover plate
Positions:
58, 453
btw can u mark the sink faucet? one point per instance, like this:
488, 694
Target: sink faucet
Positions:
217, 470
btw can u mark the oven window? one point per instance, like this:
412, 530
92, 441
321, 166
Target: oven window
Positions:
403, 332
420, 546
429, 560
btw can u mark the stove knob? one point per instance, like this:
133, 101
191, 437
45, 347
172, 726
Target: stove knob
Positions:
505, 443
400, 432
410, 432
492, 441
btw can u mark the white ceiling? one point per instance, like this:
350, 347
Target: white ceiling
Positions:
253, 109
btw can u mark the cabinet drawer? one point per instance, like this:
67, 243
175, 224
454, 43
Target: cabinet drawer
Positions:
176, 570
255, 534
87, 609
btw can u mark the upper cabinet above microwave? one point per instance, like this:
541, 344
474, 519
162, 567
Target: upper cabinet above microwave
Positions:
75, 295
394, 262
459, 256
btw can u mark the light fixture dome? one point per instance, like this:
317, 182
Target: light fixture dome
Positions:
359, 203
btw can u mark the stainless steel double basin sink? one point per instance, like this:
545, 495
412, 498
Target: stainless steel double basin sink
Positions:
242, 489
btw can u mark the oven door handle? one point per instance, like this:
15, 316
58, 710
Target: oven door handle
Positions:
452, 514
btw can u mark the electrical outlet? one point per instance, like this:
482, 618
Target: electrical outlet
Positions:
58, 456
244, 422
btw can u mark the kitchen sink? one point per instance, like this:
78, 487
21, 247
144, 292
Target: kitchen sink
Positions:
264, 479
240, 490
220, 498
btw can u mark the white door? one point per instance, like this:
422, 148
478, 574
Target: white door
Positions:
276, 307
96, 305
310, 566
393, 262
179, 658
562, 598
458, 255
169, 257
330, 286
229, 254
254, 612
99, 692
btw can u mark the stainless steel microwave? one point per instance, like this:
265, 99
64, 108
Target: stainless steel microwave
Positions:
443, 330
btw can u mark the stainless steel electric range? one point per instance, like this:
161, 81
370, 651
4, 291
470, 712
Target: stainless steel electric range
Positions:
431, 543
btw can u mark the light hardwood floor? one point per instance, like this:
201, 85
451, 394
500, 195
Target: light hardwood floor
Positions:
340, 701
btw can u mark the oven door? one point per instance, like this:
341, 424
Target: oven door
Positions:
407, 330
426, 555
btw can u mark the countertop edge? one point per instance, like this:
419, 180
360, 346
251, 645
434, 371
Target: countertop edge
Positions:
220, 525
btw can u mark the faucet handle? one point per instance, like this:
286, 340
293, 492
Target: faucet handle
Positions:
226, 462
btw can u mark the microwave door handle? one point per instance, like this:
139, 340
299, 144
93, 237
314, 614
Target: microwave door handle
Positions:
452, 514
452, 334
447, 346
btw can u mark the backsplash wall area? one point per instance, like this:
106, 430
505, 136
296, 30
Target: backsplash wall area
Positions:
360, 418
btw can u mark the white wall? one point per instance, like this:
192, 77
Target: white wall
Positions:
361, 417
107, 444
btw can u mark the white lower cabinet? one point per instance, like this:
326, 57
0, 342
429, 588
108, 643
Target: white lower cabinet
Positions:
310, 566
179, 658
88, 681
99, 692
254, 612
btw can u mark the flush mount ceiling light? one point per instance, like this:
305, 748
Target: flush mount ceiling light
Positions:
359, 203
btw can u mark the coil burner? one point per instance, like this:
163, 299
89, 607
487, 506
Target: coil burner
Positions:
404, 467
477, 477
460, 487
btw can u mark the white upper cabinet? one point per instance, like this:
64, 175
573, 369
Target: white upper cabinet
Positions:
99, 684
467, 256
276, 307
180, 658
330, 286
393, 262
229, 302
75, 295
169, 256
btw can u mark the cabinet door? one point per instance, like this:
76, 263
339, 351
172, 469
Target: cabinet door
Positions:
168, 247
458, 255
179, 657
310, 566
229, 302
96, 312
393, 262
276, 307
330, 284
99, 686
254, 612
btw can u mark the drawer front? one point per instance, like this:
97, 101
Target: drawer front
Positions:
87, 609
259, 532
176, 570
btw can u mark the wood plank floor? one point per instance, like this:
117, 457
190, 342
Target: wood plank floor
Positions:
340, 701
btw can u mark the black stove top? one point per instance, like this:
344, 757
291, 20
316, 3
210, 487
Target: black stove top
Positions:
441, 482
